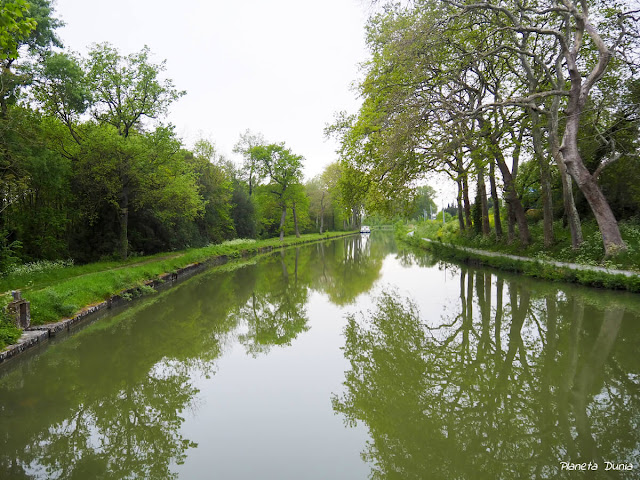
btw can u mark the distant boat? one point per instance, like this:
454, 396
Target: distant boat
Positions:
365, 229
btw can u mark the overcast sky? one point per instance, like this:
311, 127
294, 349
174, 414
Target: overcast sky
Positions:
279, 67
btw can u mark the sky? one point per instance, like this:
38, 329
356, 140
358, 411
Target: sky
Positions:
282, 68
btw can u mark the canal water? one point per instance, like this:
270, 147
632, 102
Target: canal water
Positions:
349, 359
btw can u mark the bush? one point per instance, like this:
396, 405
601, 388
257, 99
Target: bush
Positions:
9, 333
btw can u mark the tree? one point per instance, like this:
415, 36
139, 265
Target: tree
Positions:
585, 35
251, 164
216, 188
283, 169
30, 25
127, 89
15, 27
62, 90
423, 203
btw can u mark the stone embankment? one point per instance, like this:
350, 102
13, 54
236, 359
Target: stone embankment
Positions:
36, 334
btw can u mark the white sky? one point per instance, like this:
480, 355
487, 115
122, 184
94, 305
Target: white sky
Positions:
279, 67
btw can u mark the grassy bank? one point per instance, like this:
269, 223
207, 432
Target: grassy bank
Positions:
446, 238
58, 289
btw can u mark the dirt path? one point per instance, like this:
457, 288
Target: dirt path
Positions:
572, 266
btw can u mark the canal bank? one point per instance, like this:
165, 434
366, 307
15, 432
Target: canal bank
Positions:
588, 275
345, 359
36, 334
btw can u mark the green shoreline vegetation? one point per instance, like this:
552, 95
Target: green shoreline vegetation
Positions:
91, 171
446, 240
60, 289
545, 141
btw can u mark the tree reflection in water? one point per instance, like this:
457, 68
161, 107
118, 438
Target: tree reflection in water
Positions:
110, 401
517, 380
275, 314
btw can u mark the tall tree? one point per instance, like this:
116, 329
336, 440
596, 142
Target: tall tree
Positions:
127, 89
283, 168
586, 34
251, 164
215, 182
25, 28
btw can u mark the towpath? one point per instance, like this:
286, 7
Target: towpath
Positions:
573, 266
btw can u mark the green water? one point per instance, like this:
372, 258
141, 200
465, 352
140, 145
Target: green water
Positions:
344, 360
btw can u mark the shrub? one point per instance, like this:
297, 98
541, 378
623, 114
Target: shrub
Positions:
9, 333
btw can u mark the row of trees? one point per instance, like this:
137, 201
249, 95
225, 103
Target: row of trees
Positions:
475, 90
89, 170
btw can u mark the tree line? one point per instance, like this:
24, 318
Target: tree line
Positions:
89, 169
532, 102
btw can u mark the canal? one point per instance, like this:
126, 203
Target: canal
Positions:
349, 359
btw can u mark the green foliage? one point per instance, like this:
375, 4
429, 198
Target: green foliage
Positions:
283, 169
15, 26
8, 253
243, 211
127, 88
423, 204
9, 333
251, 170
28, 269
63, 91
216, 189
26, 30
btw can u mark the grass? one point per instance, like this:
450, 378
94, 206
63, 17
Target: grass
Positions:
57, 291
591, 252
9, 333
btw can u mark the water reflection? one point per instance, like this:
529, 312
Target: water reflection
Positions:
110, 401
275, 314
515, 379
345, 268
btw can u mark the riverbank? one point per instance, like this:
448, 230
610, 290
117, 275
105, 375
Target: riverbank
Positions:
61, 297
590, 275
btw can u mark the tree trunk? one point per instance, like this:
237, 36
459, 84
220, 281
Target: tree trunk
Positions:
543, 162
124, 222
570, 211
509, 180
496, 203
465, 190
282, 218
459, 202
322, 213
611, 238
511, 223
545, 179
578, 95
295, 220
513, 200
482, 195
